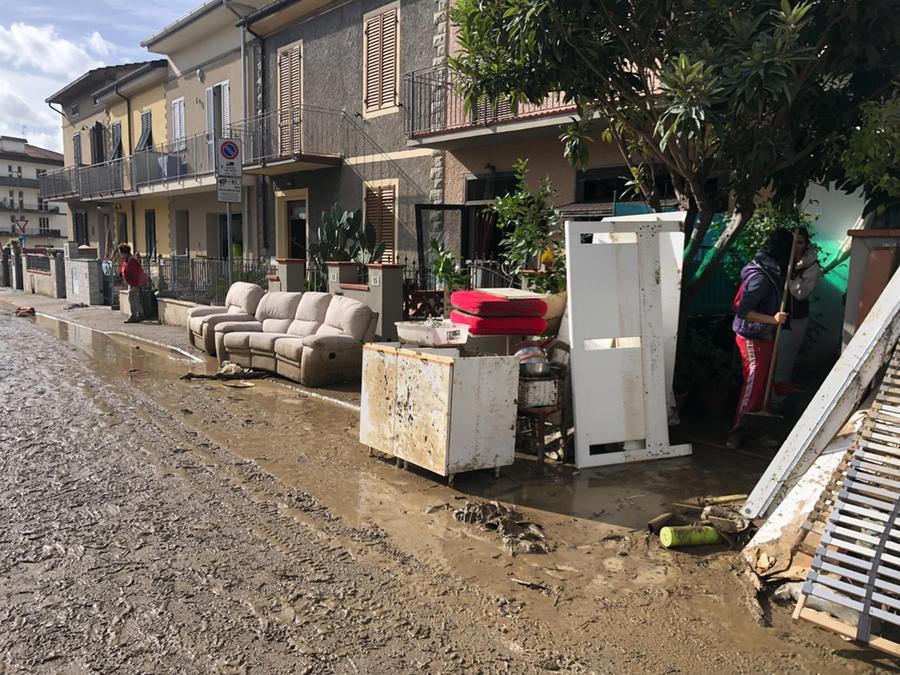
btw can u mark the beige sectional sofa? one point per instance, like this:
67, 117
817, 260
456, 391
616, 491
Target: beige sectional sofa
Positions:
240, 305
312, 338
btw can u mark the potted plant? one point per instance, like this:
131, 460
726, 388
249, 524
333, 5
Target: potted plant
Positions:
366, 249
533, 239
447, 272
334, 237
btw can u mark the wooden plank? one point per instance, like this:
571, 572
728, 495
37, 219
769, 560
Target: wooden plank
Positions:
828, 622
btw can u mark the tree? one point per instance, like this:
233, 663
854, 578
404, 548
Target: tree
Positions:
872, 155
730, 97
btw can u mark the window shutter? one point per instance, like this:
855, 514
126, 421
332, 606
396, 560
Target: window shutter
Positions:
289, 101
178, 123
76, 148
210, 113
380, 211
116, 133
226, 109
389, 59
372, 37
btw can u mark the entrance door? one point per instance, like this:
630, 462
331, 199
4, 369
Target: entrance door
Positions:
237, 235
182, 231
296, 217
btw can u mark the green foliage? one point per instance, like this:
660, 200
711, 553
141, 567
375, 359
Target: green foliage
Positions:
533, 241
754, 237
342, 236
730, 97
872, 157
444, 267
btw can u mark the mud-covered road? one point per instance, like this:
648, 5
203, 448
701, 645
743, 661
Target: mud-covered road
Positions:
154, 525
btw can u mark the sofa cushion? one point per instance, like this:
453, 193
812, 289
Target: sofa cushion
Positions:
238, 340
276, 311
238, 327
289, 348
332, 343
243, 297
480, 303
196, 323
264, 342
346, 316
500, 325
310, 313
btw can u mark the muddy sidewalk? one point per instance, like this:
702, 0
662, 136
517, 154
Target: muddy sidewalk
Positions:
152, 524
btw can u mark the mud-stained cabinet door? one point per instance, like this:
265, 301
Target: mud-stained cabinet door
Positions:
422, 416
378, 397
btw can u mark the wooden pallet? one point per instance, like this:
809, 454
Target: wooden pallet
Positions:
857, 561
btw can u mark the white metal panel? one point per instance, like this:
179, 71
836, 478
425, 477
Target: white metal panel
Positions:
422, 417
671, 262
616, 277
378, 397
483, 413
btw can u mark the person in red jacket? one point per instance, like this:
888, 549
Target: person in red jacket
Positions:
133, 275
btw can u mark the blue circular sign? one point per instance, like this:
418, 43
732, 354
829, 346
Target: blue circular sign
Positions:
229, 150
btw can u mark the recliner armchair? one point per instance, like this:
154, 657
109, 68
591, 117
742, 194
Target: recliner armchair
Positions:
241, 303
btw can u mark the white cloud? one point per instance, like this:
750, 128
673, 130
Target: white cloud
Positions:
41, 49
99, 45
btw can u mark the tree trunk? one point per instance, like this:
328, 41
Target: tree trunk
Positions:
739, 217
705, 215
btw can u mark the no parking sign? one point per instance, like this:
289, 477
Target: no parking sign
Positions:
228, 158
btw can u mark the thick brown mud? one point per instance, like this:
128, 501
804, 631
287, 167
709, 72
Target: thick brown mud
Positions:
157, 525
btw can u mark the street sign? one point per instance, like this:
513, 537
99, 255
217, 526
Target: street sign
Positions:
228, 157
21, 223
228, 189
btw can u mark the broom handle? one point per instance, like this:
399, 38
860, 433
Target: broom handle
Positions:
784, 297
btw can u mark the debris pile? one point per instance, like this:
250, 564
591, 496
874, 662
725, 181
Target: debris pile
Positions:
518, 534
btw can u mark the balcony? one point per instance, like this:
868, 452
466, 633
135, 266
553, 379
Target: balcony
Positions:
13, 205
301, 138
280, 141
436, 114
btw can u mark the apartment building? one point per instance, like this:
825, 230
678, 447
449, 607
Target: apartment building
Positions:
327, 103
23, 211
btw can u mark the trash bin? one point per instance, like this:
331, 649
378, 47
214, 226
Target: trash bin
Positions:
148, 303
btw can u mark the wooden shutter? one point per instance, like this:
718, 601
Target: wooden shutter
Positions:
226, 109
289, 101
381, 212
178, 132
76, 148
389, 59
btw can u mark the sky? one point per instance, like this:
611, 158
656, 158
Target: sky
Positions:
45, 44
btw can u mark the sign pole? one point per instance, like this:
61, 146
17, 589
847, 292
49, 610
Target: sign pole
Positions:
228, 243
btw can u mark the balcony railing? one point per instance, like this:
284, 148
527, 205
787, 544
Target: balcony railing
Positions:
290, 133
303, 131
435, 106
13, 205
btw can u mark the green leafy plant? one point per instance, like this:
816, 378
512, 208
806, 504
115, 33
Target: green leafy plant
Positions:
446, 270
367, 248
335, 236
533, 242
754, 237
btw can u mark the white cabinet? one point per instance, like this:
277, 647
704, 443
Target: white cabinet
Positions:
440, 411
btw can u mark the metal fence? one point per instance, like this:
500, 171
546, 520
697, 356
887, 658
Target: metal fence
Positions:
434, 105
290, 132
37, 263
205, 280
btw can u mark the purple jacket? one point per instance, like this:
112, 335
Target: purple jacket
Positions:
761, 285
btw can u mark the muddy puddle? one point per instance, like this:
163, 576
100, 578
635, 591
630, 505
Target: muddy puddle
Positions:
604, 581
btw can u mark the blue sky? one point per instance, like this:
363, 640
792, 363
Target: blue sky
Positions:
46, 43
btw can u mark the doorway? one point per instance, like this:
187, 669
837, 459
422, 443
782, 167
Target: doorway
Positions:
296, 220
237, 235
182, 231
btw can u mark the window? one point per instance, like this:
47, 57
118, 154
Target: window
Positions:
289, 100
19, 170
79, 219
44, 225
178, 132
610, 185
98, 143
10, 171
381, 210
76, 148
486, 187
218, 110
40, 172
42, 205
115, 132
74, 111
150, 232
145, 142
380, 55
21, 200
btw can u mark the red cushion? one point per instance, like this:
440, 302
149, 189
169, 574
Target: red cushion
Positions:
480, 303
500, 325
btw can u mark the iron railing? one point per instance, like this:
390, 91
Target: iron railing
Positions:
288, 133
206, 280
7, 204
277, 135
434, 105
37, 263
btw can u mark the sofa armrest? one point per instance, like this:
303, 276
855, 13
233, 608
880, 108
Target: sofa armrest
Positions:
332, 343
206, 311
238, 326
